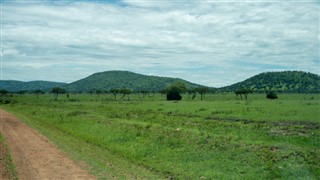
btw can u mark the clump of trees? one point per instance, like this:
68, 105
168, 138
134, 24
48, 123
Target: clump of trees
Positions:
243, 92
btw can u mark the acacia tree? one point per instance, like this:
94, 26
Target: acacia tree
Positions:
125, 92
91, 92
244, 92
22, 92
144, 93
193, 92
98, 91
163, 91
37, 92
115, 92
202, 91
57, 91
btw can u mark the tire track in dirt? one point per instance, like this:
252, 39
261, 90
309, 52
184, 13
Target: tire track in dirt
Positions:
34, 156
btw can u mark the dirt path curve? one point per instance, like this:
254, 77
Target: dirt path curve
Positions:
35, 157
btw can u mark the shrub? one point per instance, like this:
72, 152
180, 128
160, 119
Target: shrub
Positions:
173, 96
271, 95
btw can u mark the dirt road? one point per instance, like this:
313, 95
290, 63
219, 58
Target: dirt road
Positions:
34, 156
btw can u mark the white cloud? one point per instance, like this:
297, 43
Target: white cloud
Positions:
213, 40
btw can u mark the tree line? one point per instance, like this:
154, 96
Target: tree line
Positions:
173, 92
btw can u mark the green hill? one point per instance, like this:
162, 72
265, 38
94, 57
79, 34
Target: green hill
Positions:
123, 79
15, 86
285, 81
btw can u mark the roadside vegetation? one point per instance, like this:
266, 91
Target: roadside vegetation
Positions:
144, 136
7, 168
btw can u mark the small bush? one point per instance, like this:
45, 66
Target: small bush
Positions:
271, 95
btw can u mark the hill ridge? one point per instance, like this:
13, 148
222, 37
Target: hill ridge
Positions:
118, 79
280, 81
15, 85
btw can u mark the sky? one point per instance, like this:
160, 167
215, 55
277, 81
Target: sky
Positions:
213, 43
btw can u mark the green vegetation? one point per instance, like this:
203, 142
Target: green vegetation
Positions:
286, 81
56, 91
220, 137
243, 92
6, 165
174, 90
123, 79
16, 86
271, 95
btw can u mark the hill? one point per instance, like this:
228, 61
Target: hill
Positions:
15, 86
285, 81
123, 79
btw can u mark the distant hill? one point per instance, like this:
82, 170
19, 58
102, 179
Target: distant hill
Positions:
15, 86
285, 81
123, 79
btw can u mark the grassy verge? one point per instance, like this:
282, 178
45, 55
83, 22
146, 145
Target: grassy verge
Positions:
220, 138
7, 168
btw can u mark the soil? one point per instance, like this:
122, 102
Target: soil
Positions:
34, 156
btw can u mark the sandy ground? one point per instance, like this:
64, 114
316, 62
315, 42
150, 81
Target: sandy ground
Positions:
34, 156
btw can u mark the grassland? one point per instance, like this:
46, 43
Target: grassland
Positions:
221, 137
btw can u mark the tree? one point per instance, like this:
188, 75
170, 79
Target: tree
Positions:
202, 91
174, 90
3, 92
177, 86
98, 91
57, 91
163, 91
125, 92
193, 92
115, 92
244, 91
4, 100
144, 93
91, 92
271, 95
173, 96
37, 92
22, 92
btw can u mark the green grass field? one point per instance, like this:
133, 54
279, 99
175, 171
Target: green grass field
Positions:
221, 137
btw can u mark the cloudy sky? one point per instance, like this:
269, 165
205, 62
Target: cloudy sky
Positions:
214, 43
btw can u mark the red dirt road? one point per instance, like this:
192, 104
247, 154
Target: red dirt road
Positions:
34, 156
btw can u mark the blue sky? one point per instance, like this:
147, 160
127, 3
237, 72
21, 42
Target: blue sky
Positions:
214, 43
